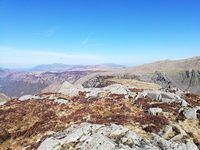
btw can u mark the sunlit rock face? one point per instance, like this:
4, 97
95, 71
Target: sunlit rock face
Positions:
93, 136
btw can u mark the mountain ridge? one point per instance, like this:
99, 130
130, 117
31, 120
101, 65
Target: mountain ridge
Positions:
166, 65
65, 67
184, 74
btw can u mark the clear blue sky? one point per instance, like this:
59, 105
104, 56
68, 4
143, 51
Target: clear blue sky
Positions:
126, 32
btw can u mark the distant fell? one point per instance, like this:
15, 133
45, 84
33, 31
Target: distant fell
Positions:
64, 67
167, 66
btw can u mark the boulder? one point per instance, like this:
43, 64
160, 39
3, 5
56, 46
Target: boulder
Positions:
170, 145
2, 103
134, 141
94, 82
175, 129
154, 111
66, 85
93, 92
117, 89
191, 113
70, 89
61, 101
98, 142
154, 95
190, 145
117, 131
73, 90
68, 136
50, 144
162, 96
27, 97
179, 141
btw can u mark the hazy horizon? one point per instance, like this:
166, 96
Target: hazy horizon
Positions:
34, 66
97, 31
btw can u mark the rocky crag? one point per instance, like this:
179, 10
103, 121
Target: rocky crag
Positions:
184, 73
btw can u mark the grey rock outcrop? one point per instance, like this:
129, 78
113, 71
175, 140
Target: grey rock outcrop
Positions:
61, 101
93, 136
2, 103
98, 142
173, 128
162, 96
117, 89
179, 141
70, 89
97, 82
187, 80
26, 97
161, 79
73, 90
169, 145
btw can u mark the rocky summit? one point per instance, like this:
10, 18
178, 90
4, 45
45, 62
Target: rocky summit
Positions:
115, 116
100, 75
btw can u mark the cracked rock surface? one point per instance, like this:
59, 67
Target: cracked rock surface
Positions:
88, 136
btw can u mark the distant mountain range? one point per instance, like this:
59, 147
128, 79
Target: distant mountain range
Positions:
47, 77
64, 67
184, 74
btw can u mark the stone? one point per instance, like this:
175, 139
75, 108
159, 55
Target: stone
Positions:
191, 113
166, 95
70, 89
117, 131
154, 95
93, 92
96, 137
154, 111
98, 142
131, 138
93, 82
2, 103
117, 89
66, 85
170, 145
52, 97
137, 142
165, 133
124, 147
183, 103
162, 96
50, 144
191, 146
27, 97
73, 90
61, 101
67, 136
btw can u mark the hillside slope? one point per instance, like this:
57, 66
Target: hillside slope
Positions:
21, 83
112, 117
184, 74
166, 66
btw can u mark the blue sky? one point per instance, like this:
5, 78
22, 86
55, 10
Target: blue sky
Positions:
128, 32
